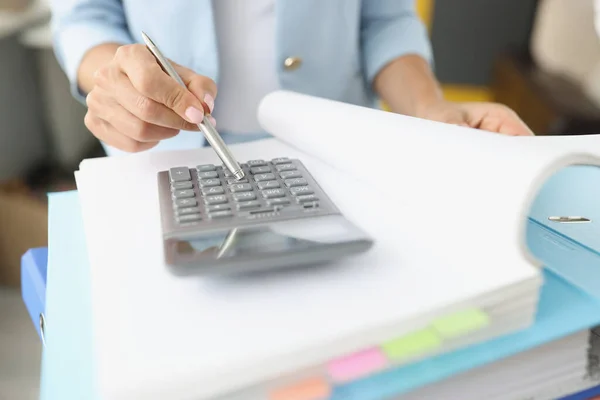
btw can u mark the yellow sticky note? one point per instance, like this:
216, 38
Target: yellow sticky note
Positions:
461, 323
412, 344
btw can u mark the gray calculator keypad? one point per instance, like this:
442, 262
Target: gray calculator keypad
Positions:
209, 193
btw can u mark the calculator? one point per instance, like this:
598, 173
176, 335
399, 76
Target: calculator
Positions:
276, 217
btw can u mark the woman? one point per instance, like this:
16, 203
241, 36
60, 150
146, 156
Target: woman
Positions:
355, 51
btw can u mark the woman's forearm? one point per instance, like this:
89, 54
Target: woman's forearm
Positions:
94, 59
407, 85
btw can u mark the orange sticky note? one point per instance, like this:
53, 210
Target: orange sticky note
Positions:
310, 389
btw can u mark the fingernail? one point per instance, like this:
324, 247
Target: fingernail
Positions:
194, 115
210, 101
212, 120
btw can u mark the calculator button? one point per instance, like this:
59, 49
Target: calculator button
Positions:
273, 193
260, 170
209, 191
210, 182
182, 194
264, 177
188, 218
268, 185
179, 174
233, 180
244, 196
218, 207
221, 214
248, 204
181, 185
301, 190
240, 187
256, 163
185, 202
306, 198
282, 201
207, 175
285, 167
206, 167
295, 182
281, 160
188, 210
218, 199
290, 174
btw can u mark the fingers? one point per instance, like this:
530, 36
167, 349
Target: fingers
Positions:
515, 127
112, 137
152, 82
505, 127
202, 87
126, 123
145, 108
497, 118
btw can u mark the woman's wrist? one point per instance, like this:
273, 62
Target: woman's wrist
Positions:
408, 86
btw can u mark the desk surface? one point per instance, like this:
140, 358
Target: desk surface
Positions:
67, 363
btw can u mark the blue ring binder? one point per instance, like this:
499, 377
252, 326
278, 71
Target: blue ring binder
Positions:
34, 264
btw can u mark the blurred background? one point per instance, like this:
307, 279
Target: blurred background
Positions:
540, 57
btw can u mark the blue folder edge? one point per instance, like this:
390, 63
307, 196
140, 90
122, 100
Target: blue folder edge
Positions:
34, 269
67, 360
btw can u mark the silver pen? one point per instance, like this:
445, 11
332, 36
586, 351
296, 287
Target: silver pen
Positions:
209, 131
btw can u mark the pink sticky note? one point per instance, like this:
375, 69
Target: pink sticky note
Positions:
356, 365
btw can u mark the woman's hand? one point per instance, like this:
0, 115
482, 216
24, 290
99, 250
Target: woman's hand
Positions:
491, 117
407, 85
133, 104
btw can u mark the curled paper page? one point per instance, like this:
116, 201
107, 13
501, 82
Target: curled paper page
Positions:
465, 191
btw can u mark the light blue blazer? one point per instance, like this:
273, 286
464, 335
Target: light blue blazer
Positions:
343, 44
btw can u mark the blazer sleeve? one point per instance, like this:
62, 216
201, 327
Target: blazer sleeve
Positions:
390, 29
80, 25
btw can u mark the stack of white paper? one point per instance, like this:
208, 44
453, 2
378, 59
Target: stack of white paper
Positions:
444, 204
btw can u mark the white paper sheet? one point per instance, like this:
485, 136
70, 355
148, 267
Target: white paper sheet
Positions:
450, 182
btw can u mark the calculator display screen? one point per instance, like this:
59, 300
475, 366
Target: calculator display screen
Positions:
298, 237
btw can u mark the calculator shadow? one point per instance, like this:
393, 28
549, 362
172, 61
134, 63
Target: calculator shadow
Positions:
316, 271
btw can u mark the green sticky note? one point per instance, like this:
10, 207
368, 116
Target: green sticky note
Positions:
412, 344
461, 323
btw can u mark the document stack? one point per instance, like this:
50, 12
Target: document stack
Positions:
481, 283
